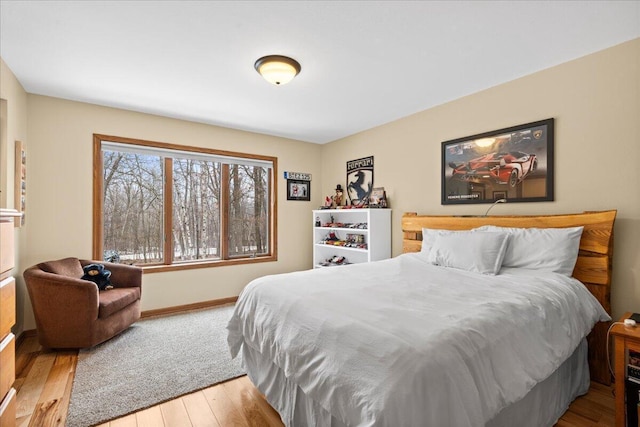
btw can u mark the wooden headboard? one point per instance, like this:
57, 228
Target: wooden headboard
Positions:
593, 267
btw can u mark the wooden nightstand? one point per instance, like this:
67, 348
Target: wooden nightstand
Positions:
626, 338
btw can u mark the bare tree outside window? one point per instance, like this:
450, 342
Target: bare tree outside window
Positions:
133, 207
248, 216
170, 206
196, 209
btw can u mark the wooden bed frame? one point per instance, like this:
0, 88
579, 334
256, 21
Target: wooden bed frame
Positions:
593, 267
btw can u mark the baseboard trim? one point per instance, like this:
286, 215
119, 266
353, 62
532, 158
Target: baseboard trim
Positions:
25, 334
188, 307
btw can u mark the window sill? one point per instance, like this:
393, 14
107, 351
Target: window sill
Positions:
206, 264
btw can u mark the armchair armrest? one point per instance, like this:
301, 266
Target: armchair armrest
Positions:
51, 292
122, 275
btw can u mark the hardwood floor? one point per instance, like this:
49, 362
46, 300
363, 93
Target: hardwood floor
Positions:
44, 380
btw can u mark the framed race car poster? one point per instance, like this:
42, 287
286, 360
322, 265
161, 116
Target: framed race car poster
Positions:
514, 164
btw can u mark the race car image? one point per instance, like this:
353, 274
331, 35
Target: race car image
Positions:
502, 168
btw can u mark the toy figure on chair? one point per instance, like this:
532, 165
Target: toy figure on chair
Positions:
99, 275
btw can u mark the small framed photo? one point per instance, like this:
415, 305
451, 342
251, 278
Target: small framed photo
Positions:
378, 198
298, 190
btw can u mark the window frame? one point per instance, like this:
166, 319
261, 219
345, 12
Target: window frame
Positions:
169, 264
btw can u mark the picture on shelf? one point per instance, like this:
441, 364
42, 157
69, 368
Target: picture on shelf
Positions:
355, 238
378, 198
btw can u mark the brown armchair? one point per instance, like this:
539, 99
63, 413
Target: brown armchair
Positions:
73, 313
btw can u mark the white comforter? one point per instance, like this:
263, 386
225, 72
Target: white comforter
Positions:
405, 343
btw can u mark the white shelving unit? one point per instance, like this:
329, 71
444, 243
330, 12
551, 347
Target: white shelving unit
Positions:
373, 224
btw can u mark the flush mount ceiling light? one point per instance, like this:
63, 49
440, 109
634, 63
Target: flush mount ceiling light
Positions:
276, 69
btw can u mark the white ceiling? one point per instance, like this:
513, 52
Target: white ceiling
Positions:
364, 63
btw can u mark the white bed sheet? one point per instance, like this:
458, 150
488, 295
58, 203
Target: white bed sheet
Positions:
402, 342
541, 407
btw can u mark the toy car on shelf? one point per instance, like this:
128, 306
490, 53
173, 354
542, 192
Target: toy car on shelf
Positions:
334, 260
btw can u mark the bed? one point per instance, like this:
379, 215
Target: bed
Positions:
406, 342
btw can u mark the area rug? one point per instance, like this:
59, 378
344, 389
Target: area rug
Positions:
153, 361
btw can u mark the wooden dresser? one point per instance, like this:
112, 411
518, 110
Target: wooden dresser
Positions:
7, 319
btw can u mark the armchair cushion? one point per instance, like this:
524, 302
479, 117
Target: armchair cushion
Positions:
116, 299
69, 267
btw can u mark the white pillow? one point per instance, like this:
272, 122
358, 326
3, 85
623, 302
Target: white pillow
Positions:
549, 249
429, 235
478, 251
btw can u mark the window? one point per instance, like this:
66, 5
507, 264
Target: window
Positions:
163, 206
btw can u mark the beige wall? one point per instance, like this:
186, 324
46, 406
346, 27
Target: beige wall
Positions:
14, 128
595, 101
59, 217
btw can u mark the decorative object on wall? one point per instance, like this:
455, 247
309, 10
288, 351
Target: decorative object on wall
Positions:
277, 69
360, 180
302, 176
514, 163
378, 198
298, 186
20, 181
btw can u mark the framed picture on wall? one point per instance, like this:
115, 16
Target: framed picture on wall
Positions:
514, 163
20, 180
298, 190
